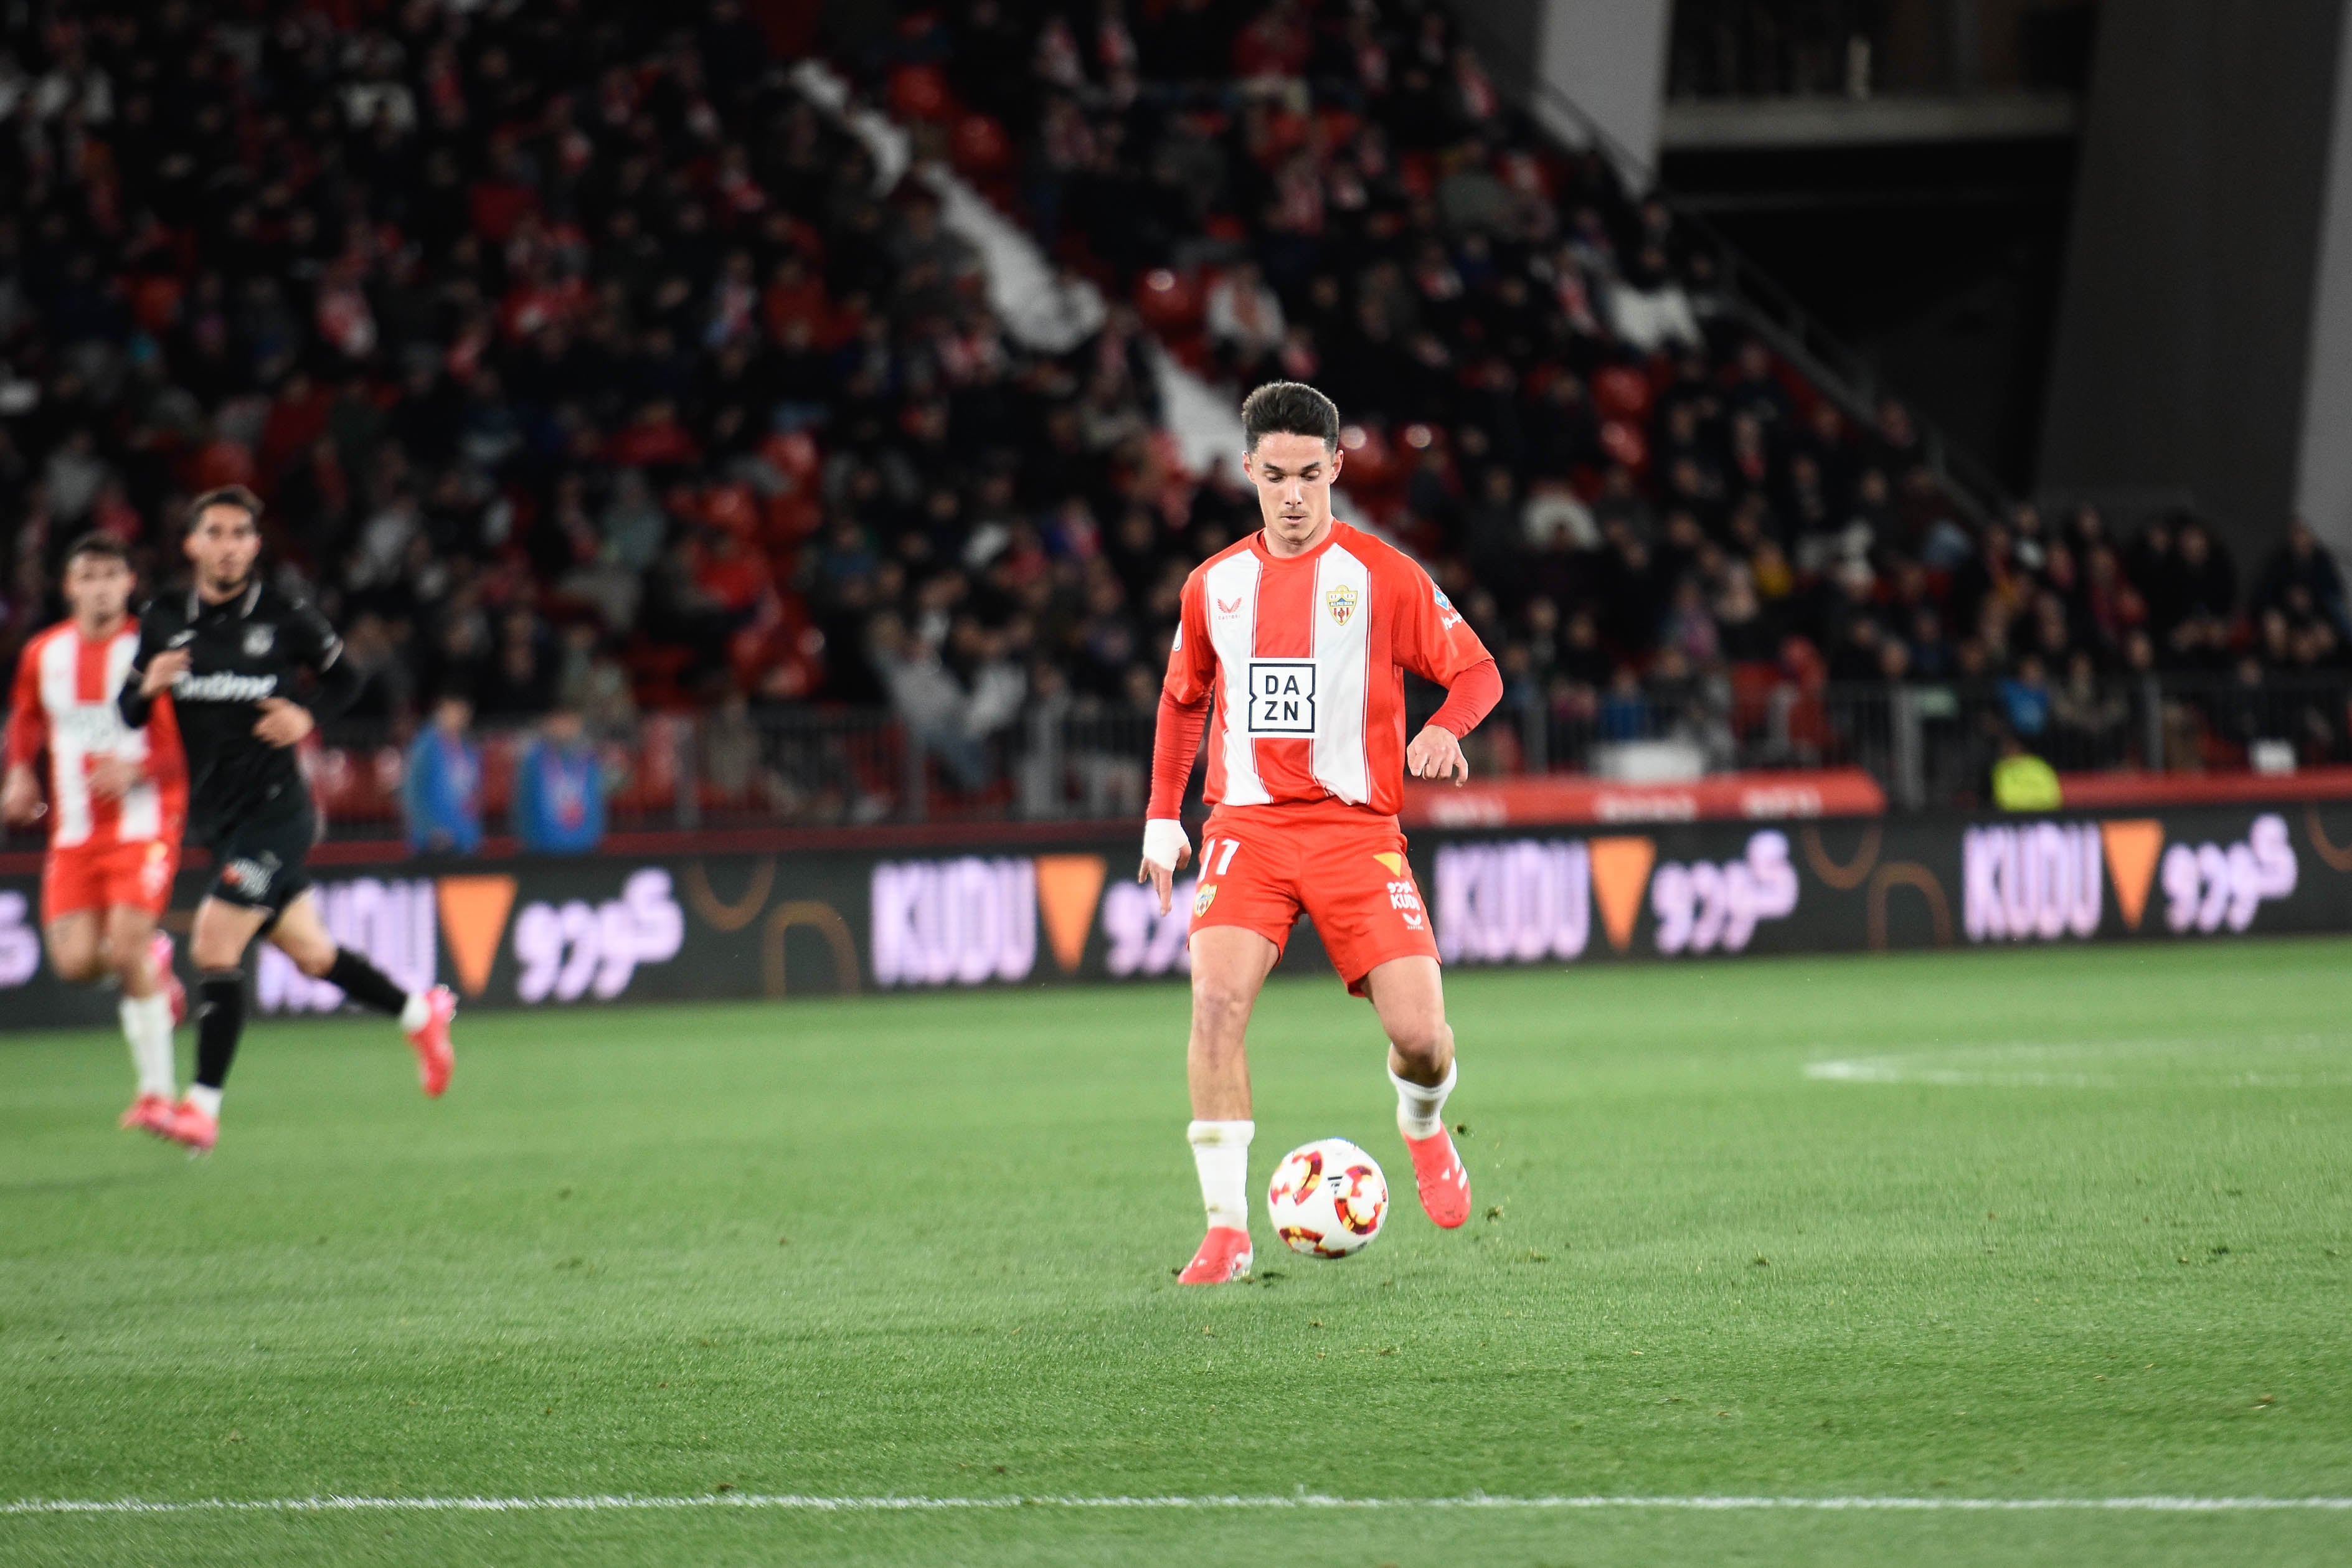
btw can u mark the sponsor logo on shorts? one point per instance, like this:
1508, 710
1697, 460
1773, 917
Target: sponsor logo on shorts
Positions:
155, 873
1341, 602
1202, 900
1405, 899
250, 878
223, 687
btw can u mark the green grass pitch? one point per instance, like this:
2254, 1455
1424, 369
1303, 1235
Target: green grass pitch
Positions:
2018, 1225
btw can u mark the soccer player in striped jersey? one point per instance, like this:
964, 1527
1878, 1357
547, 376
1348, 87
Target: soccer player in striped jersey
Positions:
1299, 639
118, 801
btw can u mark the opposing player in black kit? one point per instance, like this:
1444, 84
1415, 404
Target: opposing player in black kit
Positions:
230, 651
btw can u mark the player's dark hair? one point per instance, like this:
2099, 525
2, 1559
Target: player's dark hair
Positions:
104, 544
1289, 408
225, 495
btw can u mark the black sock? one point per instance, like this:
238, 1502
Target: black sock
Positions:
366, 985
220, 1020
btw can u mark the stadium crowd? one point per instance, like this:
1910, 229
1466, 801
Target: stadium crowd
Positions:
583, 364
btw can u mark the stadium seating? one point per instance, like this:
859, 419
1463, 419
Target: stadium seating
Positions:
581, 358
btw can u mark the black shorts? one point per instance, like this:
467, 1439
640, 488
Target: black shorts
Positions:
257, 861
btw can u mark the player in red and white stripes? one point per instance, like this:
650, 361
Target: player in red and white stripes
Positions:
117, 803
1299, 639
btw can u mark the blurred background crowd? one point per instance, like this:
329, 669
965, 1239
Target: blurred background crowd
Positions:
593, 366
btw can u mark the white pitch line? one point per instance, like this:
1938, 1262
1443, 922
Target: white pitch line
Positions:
791, 1502
2205, 1063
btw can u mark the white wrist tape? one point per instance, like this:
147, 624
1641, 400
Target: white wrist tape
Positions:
1164, 843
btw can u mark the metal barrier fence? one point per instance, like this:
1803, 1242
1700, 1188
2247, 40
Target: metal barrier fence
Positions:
1930, 745
1933, 746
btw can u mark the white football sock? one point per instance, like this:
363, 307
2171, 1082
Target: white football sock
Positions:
206, 1098
1421, 1107
147, 1025
414, 1012
1221, 1153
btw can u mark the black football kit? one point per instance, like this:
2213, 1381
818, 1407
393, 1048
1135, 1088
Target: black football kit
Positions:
247, 800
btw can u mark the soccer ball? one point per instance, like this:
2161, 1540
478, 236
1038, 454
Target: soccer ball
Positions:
1328, 1198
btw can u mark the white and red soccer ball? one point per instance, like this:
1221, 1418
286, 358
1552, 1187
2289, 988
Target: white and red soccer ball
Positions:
1328, 1199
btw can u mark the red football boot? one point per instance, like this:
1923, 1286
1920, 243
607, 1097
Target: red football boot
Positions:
1224, 1257
147, 1114
435, 1055
187, 1125
1445, 1184
159, 959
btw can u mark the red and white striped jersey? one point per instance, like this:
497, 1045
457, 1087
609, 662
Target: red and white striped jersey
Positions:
64, 702
1305, 655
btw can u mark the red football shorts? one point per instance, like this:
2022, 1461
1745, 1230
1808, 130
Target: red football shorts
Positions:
1262, 866
98, 877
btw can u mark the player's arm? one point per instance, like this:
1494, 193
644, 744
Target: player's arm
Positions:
284, 721
28, 731
112, 777
1435, 642
1175, 743
152, 669
167, 761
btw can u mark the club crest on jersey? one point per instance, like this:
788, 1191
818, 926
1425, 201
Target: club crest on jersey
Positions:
1201, 901
1341, 602
259, 640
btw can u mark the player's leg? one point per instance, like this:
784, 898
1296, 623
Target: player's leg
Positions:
74, 899
1242, 909
224, 929
141, 878
75, 945
1360, 893
1410, 997
425, 1015
1230, 965
145, 1009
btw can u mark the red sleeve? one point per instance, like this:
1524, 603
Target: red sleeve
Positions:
167, 764
1184, 705
1431, 638
1174, 744
1471, 698
1191, 657
28, 722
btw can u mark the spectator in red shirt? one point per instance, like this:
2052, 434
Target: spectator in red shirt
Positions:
1275, 45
